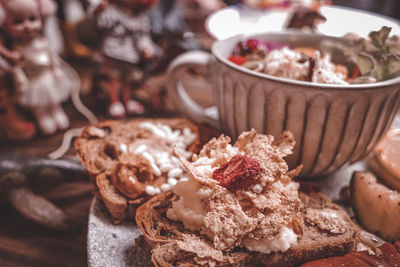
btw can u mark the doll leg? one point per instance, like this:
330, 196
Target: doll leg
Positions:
115, 109
12, 125
45, 120
133, 107
59, 116
132, 77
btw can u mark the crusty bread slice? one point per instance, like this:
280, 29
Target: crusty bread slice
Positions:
115, 203
314, 244
98, 149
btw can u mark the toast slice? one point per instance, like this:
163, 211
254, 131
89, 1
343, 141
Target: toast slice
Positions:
170, 238
98, 145
104, 150
240, 207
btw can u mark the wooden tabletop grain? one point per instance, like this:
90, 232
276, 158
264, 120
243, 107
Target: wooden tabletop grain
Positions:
25, 243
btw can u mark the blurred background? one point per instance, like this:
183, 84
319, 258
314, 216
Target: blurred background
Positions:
386, 7
176, 26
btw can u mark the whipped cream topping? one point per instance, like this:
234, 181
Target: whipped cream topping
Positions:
159, 156
161, 160
281, 242
324, 71
288, 63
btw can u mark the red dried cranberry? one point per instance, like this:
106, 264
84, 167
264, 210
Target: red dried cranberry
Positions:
239, 173
252, 44
355, 72
241, 49
248, 46
238, 60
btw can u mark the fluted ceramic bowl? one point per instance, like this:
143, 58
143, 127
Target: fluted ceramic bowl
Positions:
332, 124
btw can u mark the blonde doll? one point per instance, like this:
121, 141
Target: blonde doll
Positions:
40, 79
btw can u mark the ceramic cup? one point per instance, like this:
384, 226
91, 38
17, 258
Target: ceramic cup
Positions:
332, 124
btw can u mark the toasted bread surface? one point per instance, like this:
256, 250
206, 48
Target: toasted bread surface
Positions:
98, 149
96, 145
115, 203
314, 244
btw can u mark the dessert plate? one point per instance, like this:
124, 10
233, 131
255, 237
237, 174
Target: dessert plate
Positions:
234, 20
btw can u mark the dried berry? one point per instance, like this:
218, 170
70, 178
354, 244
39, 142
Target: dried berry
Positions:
239, 173
238, 60
248, 46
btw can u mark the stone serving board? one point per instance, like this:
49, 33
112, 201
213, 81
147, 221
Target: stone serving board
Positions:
109, 244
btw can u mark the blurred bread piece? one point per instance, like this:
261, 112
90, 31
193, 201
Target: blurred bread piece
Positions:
97, 147
385, 159
102, 150
376, 207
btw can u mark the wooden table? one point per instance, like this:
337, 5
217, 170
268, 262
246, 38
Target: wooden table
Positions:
24, 243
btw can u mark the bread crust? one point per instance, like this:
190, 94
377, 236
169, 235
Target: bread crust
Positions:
97, 150
315, 244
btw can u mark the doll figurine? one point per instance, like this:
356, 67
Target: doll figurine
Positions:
126, 44
40, 82
72, 48
12, 125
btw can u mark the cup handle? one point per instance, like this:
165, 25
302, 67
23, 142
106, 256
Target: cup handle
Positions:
183, 102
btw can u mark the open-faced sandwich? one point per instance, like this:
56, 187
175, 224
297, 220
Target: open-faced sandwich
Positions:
240, 207
129, 162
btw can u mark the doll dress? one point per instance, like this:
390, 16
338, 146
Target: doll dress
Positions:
43, 86
126, 35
